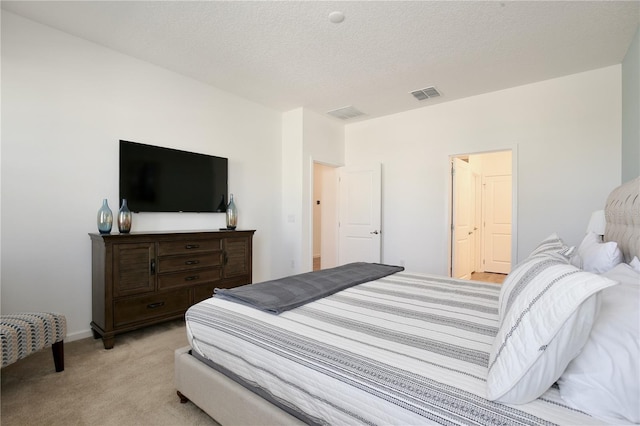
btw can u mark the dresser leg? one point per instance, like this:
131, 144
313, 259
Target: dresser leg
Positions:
108, 342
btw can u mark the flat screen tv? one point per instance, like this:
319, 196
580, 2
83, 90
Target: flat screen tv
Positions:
157, 179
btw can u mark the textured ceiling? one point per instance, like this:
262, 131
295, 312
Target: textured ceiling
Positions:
288, 54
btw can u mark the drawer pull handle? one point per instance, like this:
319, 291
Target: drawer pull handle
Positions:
191, 278
191, 262
155, 305
192, 246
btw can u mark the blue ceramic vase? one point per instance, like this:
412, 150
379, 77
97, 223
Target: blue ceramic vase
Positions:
105, 218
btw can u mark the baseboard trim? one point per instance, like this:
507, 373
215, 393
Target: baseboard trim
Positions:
78, 335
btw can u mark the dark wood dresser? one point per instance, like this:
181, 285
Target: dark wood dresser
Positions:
140, 279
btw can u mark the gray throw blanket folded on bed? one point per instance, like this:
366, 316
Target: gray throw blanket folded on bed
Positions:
286, 293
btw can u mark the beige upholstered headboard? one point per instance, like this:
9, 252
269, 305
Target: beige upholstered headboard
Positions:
622, 213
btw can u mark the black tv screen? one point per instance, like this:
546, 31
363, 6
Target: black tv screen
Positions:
157, 179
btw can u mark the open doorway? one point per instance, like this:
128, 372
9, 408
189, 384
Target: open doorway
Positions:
325, 216
481, 216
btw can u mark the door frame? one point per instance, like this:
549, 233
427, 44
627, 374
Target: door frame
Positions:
312, 163
514, 202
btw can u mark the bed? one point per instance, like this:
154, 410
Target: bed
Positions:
412, 348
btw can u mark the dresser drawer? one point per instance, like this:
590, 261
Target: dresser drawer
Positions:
139, 308
168, 248
189, 278
188, 262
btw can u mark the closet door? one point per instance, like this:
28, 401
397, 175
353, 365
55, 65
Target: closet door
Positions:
360, 190
497, 228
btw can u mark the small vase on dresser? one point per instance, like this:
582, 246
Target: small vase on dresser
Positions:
124, 218
232, 214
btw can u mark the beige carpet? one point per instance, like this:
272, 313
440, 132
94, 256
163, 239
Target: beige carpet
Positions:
131, 384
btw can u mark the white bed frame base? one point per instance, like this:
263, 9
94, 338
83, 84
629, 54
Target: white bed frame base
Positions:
224, 400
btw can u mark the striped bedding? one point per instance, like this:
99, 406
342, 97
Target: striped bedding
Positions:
405, 349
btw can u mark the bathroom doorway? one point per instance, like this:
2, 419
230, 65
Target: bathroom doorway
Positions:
481, 215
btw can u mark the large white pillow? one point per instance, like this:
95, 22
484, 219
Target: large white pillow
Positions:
595, 256
547, 308
604, 380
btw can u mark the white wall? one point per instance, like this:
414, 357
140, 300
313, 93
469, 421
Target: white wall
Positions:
568, 146
631, 111
292, 190
323, 143
65, 104
307, 138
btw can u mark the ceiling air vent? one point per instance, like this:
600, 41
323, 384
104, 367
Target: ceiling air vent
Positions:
426, 93
345, 113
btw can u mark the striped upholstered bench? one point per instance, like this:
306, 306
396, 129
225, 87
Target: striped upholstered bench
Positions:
25, 333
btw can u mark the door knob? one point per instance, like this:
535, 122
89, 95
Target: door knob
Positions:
374, 232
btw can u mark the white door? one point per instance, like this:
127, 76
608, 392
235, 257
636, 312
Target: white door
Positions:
497, 226
360, 212
476, 237
462, 218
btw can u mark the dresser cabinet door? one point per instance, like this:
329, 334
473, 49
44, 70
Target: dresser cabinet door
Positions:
237, 257
203, 292
133, 268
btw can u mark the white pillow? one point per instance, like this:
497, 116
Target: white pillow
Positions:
635, 263
595, 256
547, 307
604, 380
